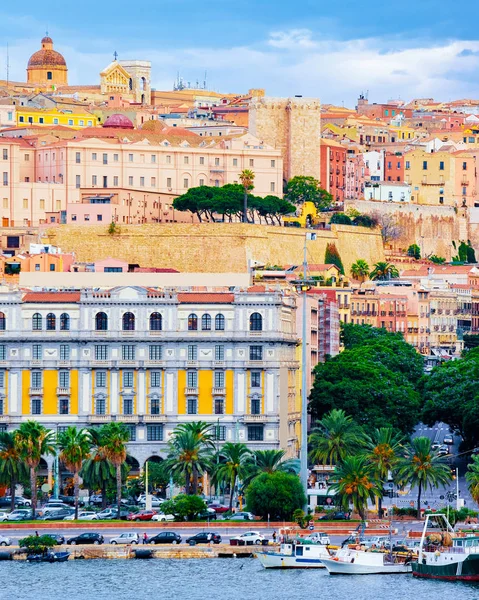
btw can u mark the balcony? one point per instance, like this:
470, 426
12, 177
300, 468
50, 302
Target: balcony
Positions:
63, 391
102, 363
193, 364
154, 418
36, 391
64, 363
99, 418
154, 363
191, 391
255, 364
4, 418
128, 363
219, 363
219, 391
255, 418
128, 418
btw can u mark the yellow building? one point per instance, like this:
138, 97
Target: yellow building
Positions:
47, 67
53, 116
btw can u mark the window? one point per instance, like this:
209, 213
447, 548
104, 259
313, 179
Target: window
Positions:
36, 406
128, 321
36, 380
464, 191
424, 165
105, 159
127, 379
101, 321
255, 433
219, 406
2, 380
156, 352
168, 159
131, 432
130, 180
154, 406
155, 379
185, 183
153, 182
64, 320
81, 122
100, 379
64, 352
441, 165
219, 433
251, 162
256, 322
2, 321
153, 158
235, 162
408, 165
70, 121
219, 352
93, 156
168, 182
93, 179
5, 153
186, 160
192, 406
142, 181
273, 164
37, 353
201, 181
202, 160
130, 157
99, 217
192, 379
64, 379
255, 405
25, 203
256, 352
21, 119
128, 352
77, 181
55, 121
115, 181
115, 158
206, 322
256, 379
37, 322
154, 433
156, 322
464, 166
64, 405
217, 162
105, 181
101, 352
128, 406
220, 322
219, 379
272, 186
192, 322
100, 406
89, 123
192, 352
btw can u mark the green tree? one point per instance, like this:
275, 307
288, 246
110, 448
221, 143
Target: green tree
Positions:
331, 257
438, 260
97, 471
232, 465
365, 221
302, 189
414, 251
360, 270
184, 507
340, 219
472, 478
116, 436
12, 468
190, 452
335, 437
247, 181
382, 450
198, 200
276, 495
421, 467
34, 441
354, 481
383, 271
74, 445
37, 544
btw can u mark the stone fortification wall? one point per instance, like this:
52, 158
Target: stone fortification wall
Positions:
433, 228
214, 247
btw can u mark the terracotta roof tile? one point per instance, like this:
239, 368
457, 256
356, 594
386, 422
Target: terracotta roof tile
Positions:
60, 297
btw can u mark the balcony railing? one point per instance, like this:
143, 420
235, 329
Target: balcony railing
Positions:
63, 391
99, 418
219, 391
191, 391
128, 418
154, 418
36, 391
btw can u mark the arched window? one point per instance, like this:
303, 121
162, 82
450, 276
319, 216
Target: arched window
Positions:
220, 322
51, 322
2, 321
101, 321
206, 322
37, 322
128, 321
64, 322
192, 322
256, 322
156, 322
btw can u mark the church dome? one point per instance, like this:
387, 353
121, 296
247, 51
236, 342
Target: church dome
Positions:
47, 57
118, 121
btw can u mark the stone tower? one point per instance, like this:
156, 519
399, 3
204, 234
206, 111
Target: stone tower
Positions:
47, 67
140, 79
292, 125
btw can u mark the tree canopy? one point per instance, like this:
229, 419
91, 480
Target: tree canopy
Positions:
275, 494
303, 188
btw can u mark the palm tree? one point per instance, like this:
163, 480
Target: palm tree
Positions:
190, 452
382, 451
422, 467
472, 478
232, 465
355, 482
360, 270
247, 178
116, 436
75, 446
34, 440
12, 467
384, 270
97, 471
335, 437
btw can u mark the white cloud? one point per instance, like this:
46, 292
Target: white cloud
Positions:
295, 62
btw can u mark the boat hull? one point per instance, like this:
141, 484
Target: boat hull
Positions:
55, 557
272, 560
459, 570
337, 567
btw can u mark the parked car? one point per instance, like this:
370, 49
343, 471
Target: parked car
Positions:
250, 536
3, 516
336, 516
20, 514
142, 515
218, 508
86, 538
142, 499
443, 451
83, 515
377, 540
6, 501
318, 537
242, 516
165, 537
96, 499
162, 517
129, 537
59, 539
448, 439
205, 537
56, 504
57, 514
107, 514
4, 540
155, 503
207, 514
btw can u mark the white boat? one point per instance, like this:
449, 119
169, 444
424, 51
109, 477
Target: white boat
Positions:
295, 555
360, 562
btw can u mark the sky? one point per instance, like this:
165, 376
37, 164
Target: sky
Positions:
332, 51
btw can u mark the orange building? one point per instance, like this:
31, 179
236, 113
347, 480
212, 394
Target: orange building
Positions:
47, 67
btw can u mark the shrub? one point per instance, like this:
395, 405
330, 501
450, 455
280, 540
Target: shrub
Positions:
414, 251
275, 494
365, 221
331, 257
341, 219
184, 507
438, 260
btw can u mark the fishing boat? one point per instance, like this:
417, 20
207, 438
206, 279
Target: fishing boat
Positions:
50, 557
447, 554
295, 554
351, 561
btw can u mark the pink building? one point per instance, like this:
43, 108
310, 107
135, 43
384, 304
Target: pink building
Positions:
355, 175
111, 265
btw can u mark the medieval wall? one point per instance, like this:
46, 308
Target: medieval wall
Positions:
214, 247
